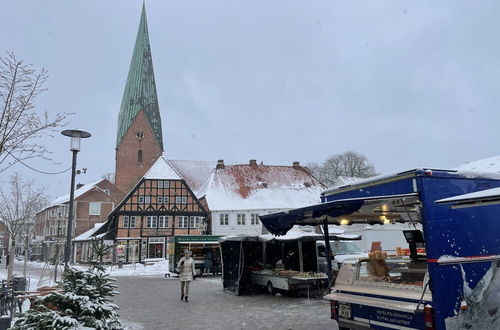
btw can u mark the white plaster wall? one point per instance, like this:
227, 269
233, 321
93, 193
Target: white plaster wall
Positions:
233, 228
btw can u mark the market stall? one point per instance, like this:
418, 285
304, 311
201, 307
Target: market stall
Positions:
202, 246
287, 263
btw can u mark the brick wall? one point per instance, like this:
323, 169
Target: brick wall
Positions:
128, 168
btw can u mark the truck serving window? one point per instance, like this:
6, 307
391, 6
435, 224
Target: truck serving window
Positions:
397, 273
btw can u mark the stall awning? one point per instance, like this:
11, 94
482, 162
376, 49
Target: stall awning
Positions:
281, 222
478, 198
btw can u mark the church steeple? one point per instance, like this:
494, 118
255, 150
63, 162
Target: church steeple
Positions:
139, 140
140, 90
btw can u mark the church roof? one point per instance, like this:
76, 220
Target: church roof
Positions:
140, 89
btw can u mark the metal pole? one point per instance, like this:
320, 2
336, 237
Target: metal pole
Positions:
328, 251
67, 250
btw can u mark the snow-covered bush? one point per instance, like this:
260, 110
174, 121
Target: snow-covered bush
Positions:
84, 303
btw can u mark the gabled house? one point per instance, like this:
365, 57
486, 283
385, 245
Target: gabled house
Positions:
159, 206
92, 203
237, 194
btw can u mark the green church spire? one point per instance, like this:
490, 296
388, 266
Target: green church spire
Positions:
140, 90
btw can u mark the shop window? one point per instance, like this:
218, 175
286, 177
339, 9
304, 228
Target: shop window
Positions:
94, 208
254, 219
151, 221
224, 219
156, 247
241, 218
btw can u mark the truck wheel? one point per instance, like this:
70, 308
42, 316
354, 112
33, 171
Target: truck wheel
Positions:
270, 288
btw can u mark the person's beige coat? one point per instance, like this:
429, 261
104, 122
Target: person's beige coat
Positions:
186, 269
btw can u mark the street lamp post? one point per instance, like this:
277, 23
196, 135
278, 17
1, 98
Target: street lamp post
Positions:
76, 135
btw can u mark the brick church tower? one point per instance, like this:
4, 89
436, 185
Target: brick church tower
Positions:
139, 140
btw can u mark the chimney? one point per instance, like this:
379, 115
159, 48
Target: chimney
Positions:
220, 164
79, 185
296, 165
253, 163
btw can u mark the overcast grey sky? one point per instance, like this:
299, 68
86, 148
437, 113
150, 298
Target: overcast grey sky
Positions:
407, 83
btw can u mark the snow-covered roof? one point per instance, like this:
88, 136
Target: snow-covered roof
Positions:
87, 235
162, 170
195, 172
257, 187
491, 164
78, 192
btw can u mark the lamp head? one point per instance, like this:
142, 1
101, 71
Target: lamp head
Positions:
75, 135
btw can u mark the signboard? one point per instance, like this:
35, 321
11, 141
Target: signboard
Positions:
197, 238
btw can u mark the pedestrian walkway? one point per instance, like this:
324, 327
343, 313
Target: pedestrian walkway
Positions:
154, 303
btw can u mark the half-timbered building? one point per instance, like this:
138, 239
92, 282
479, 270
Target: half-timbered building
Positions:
160, 205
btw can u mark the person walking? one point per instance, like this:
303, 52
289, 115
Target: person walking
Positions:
207, 264
186, 271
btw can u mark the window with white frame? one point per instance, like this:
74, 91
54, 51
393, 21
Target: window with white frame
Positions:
132, 222
147, 199
163, 221
194, 222
125, 221
166, 184
183, 222
178, 199
184, 200
241, 218
160, 184
254, 219
224, 219
151, 221
94, 208
159, 199
141, 199
165, 199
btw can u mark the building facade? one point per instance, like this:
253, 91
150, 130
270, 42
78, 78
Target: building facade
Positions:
161, 205
92, 204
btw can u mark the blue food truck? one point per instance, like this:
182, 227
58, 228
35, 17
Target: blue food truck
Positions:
451, 278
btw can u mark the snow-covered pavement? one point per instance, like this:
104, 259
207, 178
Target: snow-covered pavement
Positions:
153, 302
148, 300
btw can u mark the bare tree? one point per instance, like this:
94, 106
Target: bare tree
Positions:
19, 201
349, 164
21, 125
